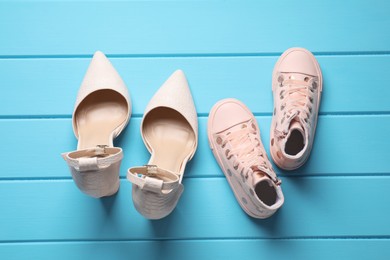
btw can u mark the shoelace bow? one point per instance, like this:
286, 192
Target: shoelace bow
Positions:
298, 96
246, 149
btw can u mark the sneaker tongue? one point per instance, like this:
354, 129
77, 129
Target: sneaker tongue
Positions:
291, 123
259, 175
296, 125
295, 95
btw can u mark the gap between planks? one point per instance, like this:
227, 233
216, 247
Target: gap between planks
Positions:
323, 238
191, 55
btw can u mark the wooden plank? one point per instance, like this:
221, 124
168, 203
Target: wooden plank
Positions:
48, 87
344, 145
337, 205
191, 27
314, 207
320, 249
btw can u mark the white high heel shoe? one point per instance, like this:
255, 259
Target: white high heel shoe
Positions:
170, 132
101, 112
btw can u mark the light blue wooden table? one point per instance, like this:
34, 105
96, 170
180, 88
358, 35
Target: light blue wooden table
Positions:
337, 206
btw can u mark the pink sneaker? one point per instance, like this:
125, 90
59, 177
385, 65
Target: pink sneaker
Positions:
235, 141
297, 86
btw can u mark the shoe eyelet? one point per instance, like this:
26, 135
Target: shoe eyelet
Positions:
280, 79
219, 140
229, 172
306, 79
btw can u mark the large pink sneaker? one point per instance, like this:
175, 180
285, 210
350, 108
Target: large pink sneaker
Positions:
235, 141
297, 86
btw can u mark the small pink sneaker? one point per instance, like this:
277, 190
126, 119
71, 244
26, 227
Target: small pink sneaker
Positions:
297, 86
235, 141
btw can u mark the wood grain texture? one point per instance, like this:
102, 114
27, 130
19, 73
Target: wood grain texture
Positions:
314, 207
201, 27
338, 150
337, 204
320, 249
48, 87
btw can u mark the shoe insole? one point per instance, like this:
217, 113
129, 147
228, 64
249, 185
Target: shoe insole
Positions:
170, 137
295, 143
98, 116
